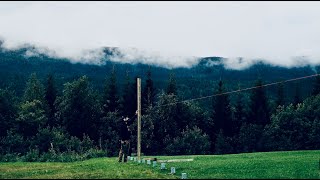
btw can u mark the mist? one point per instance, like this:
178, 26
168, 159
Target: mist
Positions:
168, 34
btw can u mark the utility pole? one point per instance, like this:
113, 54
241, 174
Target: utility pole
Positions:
139, 117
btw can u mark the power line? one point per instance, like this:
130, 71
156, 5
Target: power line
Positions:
239, 90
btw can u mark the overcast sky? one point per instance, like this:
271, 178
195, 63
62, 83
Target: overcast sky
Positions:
276, 31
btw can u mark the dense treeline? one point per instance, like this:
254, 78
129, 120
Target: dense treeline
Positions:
79, 122
69, 112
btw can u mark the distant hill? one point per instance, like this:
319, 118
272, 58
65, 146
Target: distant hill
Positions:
198, 80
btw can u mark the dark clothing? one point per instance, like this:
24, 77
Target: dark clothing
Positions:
124, 129
124, 150
125, 134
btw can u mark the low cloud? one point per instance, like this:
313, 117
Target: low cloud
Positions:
168, 34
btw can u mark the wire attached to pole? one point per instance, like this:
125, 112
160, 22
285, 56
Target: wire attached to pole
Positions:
239, 90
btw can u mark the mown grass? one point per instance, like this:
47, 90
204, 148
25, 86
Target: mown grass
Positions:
268, 165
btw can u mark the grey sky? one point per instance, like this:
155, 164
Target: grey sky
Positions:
276, 31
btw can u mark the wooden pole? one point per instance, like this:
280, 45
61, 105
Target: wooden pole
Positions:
139, 117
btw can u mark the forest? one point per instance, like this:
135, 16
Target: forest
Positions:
55, 110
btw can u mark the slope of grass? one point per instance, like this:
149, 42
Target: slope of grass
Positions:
267, 165
93, 168
287, 164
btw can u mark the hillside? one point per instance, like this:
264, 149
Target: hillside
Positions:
196, 81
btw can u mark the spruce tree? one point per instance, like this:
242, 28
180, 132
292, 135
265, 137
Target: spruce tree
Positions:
222, 112
148, 93
280, 95
110, 98
172, 86
316, 86
259, 110
239, 115
297, 95
34, 89
8, 110
126, 96
50, 96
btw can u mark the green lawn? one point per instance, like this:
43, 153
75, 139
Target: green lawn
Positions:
289, 164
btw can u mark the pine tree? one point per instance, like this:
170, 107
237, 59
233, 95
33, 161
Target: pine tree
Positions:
132, 106
34, 89
297, 95
259, 110
239, 115
316, 86
8, 110
50, 96
280, 95
172, 86
148, 93
110, 98
126, 96
166, 126
221, 111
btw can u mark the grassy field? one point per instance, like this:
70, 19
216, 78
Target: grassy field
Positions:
288, 164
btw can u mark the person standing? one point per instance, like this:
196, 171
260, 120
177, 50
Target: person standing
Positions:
125, 134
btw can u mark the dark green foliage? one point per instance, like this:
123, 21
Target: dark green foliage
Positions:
316, 86
55, 138
78, 108
31, 156
294, 128
126, 100
109, 133
132, 103
12, 143
147, 134
280, 95
86, 143
288, 130
221, 112
190, 141
129, 97
111, 98
50, 96
149, 92
239, 114
250, 138
223, 144
314, 136
297, 95
8, 110
259, 111
72, 119
31, 116
172, 86
34, 89
164, 120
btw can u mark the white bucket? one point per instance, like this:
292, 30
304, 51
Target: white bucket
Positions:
183, 175
163, 166
173, 170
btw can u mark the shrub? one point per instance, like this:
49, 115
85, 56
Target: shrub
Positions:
190, 141
10, 157
31, 156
